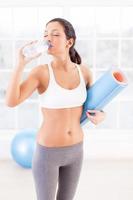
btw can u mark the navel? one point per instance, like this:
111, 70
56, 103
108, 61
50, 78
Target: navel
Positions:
69, 132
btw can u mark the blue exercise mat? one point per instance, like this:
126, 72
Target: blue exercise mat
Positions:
111, 83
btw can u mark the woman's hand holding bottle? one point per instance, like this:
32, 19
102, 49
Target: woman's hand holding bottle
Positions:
22, 59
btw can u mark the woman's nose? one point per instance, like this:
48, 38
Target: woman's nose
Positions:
49, 38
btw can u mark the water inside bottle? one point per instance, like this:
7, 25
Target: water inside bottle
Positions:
39, 47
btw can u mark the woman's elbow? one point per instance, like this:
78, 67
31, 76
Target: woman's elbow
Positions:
10, 103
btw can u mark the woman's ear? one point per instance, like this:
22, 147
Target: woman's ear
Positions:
70, 42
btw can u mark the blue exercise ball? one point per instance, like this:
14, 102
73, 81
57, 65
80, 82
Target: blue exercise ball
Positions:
22, 147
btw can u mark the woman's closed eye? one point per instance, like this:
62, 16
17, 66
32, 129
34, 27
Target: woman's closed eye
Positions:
52, 35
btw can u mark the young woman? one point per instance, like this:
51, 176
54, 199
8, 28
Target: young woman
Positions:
62, 86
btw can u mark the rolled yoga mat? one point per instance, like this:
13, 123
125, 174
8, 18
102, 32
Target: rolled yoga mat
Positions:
110, 84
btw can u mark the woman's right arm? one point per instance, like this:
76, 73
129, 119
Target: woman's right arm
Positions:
17, 90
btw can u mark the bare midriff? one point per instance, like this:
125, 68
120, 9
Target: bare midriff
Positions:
60, 127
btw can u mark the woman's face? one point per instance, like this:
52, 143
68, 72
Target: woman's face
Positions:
54, 33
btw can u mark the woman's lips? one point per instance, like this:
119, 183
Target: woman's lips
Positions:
50, 46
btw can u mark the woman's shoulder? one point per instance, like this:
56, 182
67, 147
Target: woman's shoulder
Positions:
40, 73
87, 73
39, 70
85, 68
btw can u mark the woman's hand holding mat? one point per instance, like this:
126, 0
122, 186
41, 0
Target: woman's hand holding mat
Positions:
102, 92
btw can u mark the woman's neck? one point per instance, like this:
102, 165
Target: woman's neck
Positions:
63, 64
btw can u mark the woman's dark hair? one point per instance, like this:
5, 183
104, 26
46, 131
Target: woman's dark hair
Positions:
70, 33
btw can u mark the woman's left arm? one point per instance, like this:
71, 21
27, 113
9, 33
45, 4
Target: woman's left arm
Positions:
95, 116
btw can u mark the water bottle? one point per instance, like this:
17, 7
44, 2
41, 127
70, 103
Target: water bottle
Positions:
32, 50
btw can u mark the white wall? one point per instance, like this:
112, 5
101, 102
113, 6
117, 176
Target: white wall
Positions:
68, 2
113, 138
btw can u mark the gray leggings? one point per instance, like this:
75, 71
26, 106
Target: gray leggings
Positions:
57, 166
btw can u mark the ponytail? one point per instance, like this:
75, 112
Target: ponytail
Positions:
74, 56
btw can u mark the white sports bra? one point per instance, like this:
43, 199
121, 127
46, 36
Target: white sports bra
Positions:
56, 96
